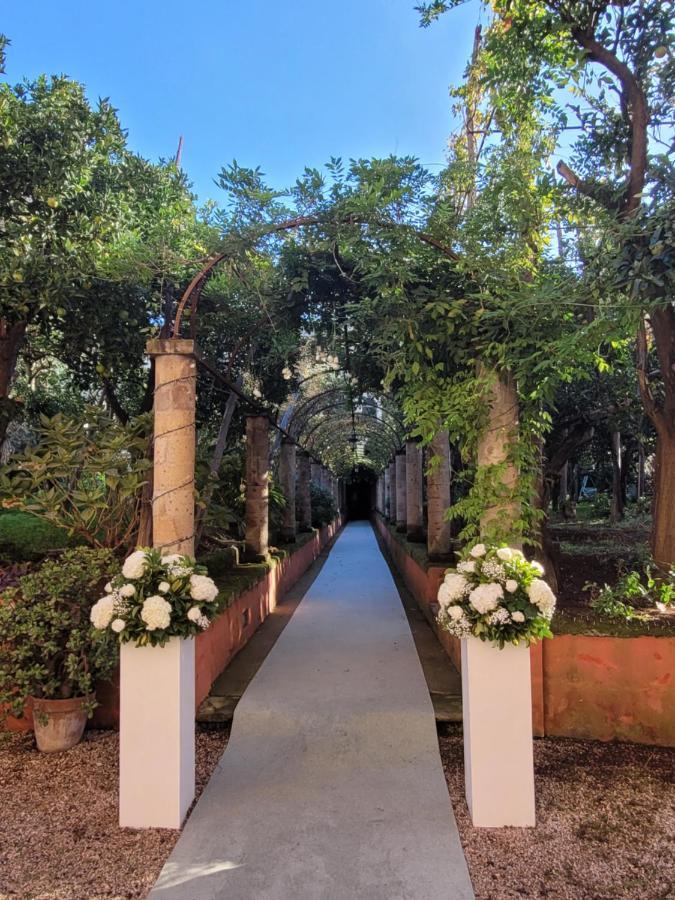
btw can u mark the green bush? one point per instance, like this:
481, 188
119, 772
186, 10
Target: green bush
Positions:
49, 648
218, 562
324, 509
26, 538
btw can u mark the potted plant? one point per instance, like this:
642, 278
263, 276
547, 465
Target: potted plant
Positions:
50, 656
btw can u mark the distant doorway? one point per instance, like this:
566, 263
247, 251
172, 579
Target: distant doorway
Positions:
360, 494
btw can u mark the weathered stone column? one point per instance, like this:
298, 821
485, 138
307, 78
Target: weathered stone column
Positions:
287, 483
413, 476
495, 448
387, 492
257, 487
438, 498
378, 494
316, 474
392, 491
302, 495
157, 684
401, 492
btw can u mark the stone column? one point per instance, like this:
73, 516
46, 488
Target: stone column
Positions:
401, 492
257, 487
413, 476
495, 447
157, 684
438, 498
387, 490
378, 494
316, 474
302, 495
392, 491
287, 484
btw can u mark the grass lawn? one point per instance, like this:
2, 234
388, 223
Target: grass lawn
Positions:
25, 538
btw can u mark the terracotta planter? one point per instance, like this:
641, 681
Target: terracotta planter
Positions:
59, 724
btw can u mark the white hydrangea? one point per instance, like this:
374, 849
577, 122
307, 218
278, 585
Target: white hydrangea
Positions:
467, 565
102, 612
164, 587
511, 585
505, 554
135, 565
518, 616
542, 597
492, 569
537, 566
118, 625
194, 614
500, 616
170, 558
485, 597
156, 613
127, 590
203, 588
455, 612
477, 551
453, 588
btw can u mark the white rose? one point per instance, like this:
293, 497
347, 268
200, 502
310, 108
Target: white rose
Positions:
511, 586
156, 613
135, 565
485, 597
194, 613
118, 625
127, 590
455, 612
102, 612
164, 587
466, 565
203, 588
505, 553
478, 551
542, 597
517, 616
108, 588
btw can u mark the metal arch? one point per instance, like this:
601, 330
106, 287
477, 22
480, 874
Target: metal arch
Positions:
300, 409
363, 416
364, 420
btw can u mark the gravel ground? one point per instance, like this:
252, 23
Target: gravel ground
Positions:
605, 825
59, 838
605, 812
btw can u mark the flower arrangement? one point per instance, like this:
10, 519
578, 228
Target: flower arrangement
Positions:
156, 598
495, 594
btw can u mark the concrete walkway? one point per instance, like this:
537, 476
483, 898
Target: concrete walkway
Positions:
331, 787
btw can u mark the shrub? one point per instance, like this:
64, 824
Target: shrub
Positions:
324, 509
49, 649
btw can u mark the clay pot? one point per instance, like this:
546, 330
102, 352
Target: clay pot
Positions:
59, 724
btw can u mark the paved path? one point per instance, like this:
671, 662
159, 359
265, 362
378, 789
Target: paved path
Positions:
331, 787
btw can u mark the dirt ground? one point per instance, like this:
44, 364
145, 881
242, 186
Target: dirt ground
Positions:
606, 824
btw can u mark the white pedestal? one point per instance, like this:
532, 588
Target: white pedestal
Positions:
157, 734
497, 716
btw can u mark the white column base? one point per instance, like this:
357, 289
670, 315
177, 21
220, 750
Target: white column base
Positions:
157, 734
497, 716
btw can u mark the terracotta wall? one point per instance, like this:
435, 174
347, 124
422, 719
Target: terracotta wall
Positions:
231, 631
583, 686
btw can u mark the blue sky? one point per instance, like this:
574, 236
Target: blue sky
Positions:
275, 83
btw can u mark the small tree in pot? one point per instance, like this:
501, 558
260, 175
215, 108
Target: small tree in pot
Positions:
49, 652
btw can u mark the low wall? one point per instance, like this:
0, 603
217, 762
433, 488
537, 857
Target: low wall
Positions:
229, 633
583, 686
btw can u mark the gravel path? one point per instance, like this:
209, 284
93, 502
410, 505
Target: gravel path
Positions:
605, 825
59, 838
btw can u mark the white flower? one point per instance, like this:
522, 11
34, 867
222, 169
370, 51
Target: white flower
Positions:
164, 587
203, 622
194, 614
492, 569
542, 597
118, 625
203, 588
135, 565
466, 565
517, 616
499, 617
127, 590
537, 566
156, 613
455, 612
486, 597
108, 588
170, 559
453, 588
505, 553
511, 585
102, 612
477, 551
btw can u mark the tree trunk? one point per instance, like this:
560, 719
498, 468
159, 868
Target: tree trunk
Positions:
616, 508
663, 523
563, 486
640, 488
11, 341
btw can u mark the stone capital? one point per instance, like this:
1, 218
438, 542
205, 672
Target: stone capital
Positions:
172, 346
